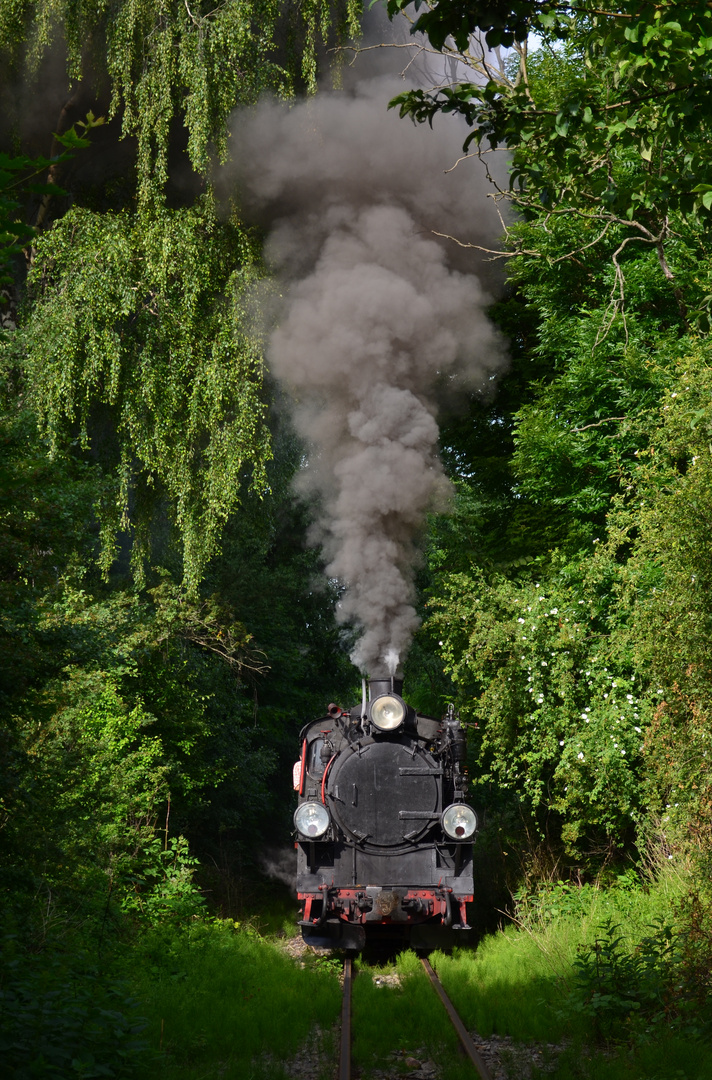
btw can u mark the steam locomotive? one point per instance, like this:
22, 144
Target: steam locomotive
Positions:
383, 833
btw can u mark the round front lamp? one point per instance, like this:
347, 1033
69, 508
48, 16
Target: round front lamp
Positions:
311, 819
387, 712
459, 822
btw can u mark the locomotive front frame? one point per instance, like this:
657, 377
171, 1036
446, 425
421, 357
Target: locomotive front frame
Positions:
374, 798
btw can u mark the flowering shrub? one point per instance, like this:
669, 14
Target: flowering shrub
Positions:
554, 714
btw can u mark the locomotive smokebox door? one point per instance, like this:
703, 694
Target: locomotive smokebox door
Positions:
383, 832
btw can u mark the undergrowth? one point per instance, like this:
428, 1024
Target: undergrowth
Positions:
62, 1016
222, 998
619, 978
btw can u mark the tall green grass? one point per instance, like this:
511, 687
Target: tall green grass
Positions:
522, 982
223, 1001
517, 980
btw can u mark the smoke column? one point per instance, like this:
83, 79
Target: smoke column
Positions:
380, 323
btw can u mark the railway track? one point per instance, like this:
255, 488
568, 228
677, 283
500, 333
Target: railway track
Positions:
462, 1033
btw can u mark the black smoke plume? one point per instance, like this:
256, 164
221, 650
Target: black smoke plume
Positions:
380, 322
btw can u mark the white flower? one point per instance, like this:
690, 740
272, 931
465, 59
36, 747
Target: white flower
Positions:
520, 620
638, 730
622, 753
554, 611
580, 757
544, 663
561, 742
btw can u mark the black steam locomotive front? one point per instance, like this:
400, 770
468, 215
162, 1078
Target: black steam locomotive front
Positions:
384, 835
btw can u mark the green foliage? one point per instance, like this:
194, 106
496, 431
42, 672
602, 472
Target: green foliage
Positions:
572, 479
139, 343
212, 979
556, 713
552, 901
660, 520
17, 180
635, 993
162, 886
612, 126
166, 60
142, 336
62, 1017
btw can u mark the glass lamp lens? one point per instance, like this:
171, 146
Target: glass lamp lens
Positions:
387, 712
311, 820
460, 822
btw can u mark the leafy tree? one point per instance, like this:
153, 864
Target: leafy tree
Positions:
141, 295
611, 126
137, 344
172, 60
575, 483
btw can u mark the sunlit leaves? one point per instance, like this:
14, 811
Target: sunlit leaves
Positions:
146, 317
557, 716
641, 95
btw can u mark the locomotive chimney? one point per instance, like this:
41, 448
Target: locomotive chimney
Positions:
392, 685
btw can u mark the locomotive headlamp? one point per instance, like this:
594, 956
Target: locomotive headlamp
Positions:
459, 822
311, 819
387, 712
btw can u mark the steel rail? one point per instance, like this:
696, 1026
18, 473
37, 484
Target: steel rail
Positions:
345, 1055
467, 1043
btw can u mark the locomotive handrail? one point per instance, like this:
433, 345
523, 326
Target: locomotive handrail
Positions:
411, 770
323, 779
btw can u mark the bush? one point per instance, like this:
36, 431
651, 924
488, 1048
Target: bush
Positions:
637, 991
63, 1019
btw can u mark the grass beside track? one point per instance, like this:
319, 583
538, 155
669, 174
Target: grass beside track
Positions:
521, 982
224, 1002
